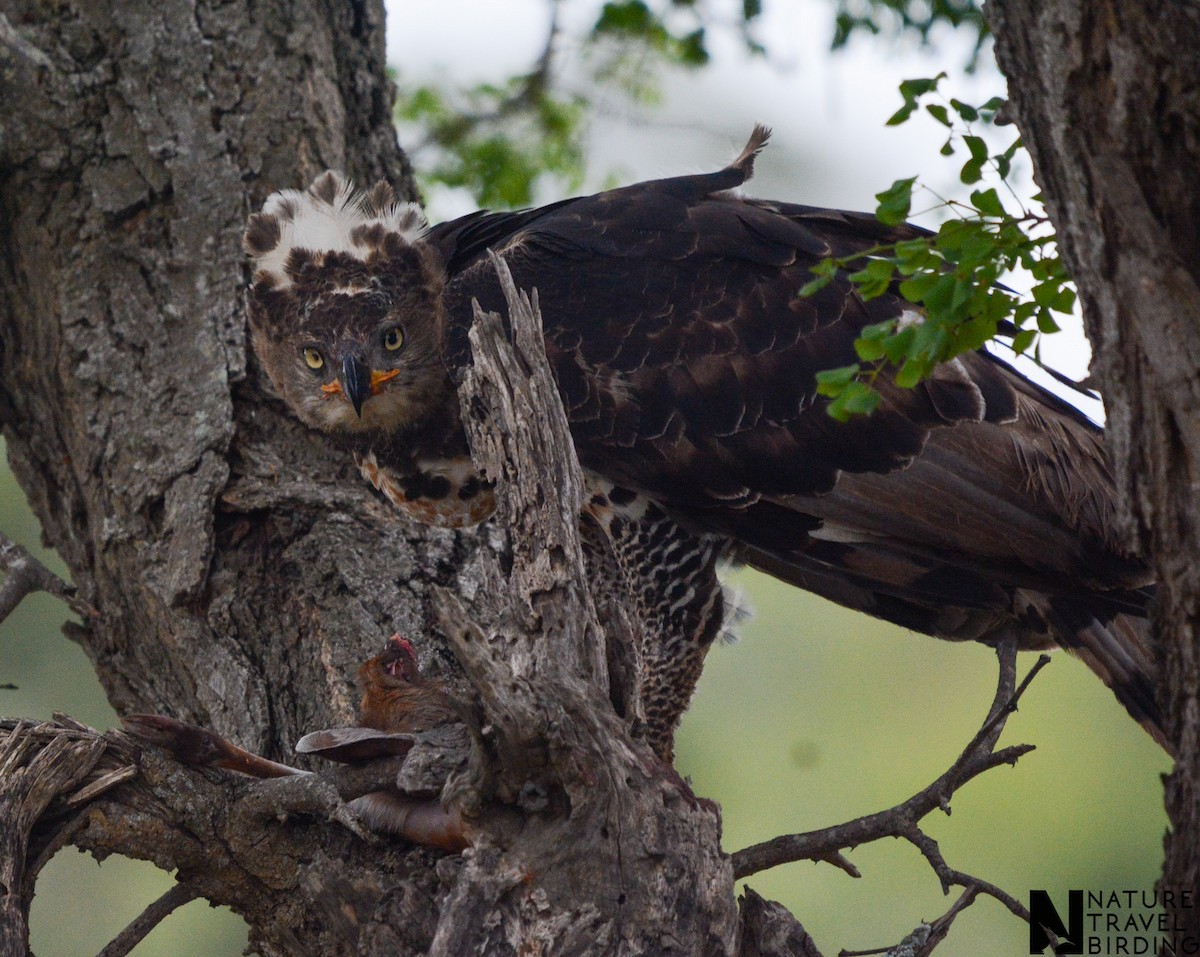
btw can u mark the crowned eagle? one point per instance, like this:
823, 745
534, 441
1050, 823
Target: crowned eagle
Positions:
975, 506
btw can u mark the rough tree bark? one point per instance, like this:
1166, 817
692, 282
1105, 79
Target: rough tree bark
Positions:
237, 569
1107, 99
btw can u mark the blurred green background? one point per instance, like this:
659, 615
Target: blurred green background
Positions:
816, 715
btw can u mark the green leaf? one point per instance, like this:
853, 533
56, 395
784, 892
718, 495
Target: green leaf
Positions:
900, 346
834, 381
1023, 340
938, 298
965, 110
869, 350
912, 372
1004, 160
977, 146
870, 345
874, 278
972, 171
691, 50
1042, 268
973, 334
1052, 294
878, 330
914, 255
964, 291
916, 289
1064, 302
837, 410
987, 201
911, 89
939, 113
812, 287
627, 16
857, 399
1023, 312
1045, 322
895, 202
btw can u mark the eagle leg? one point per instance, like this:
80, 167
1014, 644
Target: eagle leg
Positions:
669, 578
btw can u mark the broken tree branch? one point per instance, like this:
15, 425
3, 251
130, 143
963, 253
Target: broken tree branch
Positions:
601, 813
25, 575
221, 832
39, 764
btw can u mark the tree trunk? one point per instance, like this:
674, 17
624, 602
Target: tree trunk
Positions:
1106, 96
237, 566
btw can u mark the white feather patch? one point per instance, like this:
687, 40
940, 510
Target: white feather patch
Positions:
309, 221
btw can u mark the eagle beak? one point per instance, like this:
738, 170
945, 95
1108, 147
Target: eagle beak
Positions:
356, 381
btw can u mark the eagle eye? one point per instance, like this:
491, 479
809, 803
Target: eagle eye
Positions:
313, 358
393, 339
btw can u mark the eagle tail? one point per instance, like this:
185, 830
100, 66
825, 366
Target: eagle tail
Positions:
754, 145
1119, 650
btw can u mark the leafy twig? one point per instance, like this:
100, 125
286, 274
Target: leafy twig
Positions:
952, 276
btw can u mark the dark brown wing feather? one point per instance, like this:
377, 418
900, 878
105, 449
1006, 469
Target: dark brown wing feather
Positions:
973, 506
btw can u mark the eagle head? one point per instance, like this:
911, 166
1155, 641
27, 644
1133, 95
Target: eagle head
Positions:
345, 309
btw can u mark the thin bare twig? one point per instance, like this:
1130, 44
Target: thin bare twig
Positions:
941, 927
977, 757
148, 919
924, 937
903, 820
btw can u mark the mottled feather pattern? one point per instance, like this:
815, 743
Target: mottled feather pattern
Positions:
445, 494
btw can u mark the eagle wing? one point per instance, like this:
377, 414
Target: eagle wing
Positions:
974, 505
687, 364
